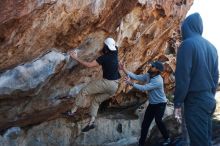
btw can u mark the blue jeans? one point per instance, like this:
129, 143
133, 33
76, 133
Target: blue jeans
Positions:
199, 108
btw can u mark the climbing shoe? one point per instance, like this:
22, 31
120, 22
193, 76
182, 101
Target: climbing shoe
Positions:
68, 113
88, 127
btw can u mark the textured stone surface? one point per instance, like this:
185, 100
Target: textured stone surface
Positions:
121, 128
31, 75
36, 35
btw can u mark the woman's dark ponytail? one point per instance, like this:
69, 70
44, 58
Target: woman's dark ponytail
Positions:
106, 50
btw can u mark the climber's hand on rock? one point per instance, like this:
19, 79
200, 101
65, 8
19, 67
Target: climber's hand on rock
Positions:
73, 54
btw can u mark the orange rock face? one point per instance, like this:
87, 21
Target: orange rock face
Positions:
145, 30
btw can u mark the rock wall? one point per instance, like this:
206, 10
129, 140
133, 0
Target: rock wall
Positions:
35, 36
121, 128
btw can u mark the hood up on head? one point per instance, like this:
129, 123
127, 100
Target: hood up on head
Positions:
192, 26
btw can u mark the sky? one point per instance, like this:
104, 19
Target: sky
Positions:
209, 11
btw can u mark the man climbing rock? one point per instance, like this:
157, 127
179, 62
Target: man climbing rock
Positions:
196, 81
157, 99
102, 89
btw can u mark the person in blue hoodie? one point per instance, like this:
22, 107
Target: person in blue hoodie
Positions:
196, 81
157, 99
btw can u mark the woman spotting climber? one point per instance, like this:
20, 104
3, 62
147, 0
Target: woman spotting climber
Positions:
157, 99
101, 89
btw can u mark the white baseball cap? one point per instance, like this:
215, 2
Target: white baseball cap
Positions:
110, 42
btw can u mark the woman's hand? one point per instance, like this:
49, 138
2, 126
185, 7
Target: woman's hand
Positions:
121, 66
128, 81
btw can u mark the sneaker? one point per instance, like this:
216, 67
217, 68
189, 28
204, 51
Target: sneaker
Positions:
63, 97
88, 127
68, 113
166, 142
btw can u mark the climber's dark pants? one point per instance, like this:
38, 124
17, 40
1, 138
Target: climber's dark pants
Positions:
199, 108
153, 111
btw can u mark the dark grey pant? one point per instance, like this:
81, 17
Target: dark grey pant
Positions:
153, 111
199, 108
